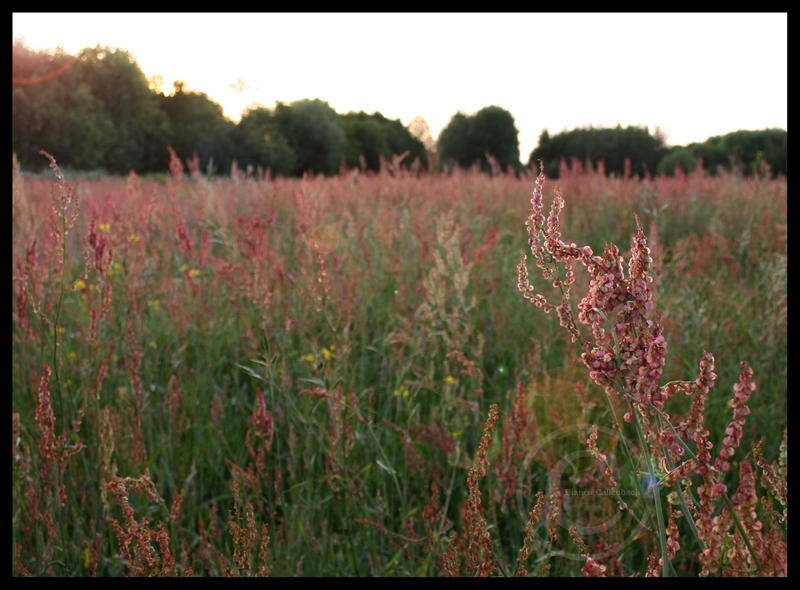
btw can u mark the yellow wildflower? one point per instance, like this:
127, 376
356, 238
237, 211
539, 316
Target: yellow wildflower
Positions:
78, 284
182, 267
152, 344
154, 303
450, 379
401, 392
194, 273
326, 354
309, 358
133, 238
106, 227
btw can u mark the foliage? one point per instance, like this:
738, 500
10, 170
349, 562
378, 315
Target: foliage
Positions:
259, 142
98, 110
488, 138
747, 148
740, 150
375, 137
197, 126
314, 133
621, 150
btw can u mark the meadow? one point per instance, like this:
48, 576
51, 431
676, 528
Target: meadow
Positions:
345, 376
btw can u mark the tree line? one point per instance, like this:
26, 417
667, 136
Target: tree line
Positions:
97, 111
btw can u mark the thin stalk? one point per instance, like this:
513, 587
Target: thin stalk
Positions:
725, 497
667, 568
58, 315
684, 508
63, 416
627, 449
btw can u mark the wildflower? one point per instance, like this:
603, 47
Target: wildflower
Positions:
104, 227
733, 432
154, 303
78, 284
133, 238
115, 268
309, 358
326, 354
194, 273
480, 545
262, 421
533, 519
183, 267
152, 344
401, 392
450, 379
99, 254
602, 460
592, 569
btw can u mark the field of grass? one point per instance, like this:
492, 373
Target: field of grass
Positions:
340, 377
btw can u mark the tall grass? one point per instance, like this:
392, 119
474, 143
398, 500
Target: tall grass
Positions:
337, 376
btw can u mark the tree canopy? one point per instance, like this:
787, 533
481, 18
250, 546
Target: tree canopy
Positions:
97, 111
373, 136
612, 146
471, 139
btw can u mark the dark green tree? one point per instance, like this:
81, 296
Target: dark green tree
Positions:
746, 149
259, 142
91, 110
612, 146
741, 150
314, 134
681, 157
365, 138
197, 125
454, 145
494, 131
121, 88
55, 113
468, 139
373, 136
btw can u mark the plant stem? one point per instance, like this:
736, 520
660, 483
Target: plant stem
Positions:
667, 568
694, 457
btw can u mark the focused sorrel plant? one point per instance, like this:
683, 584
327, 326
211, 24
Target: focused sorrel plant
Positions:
625, 355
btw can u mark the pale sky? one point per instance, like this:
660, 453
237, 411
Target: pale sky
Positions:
693, 75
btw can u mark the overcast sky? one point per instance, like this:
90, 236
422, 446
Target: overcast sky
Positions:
692, 75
